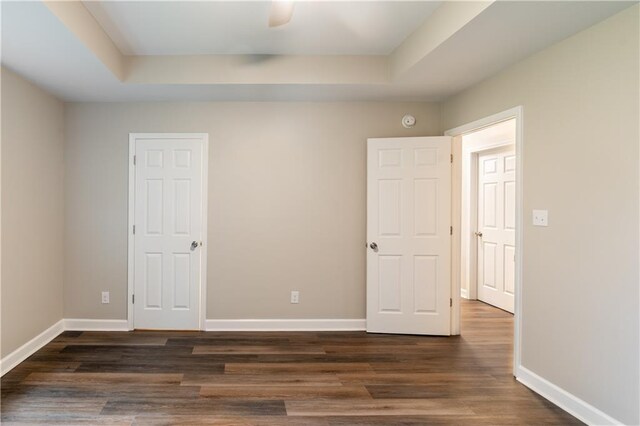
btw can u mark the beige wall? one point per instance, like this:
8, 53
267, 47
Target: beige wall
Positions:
32, 211
581, 152
287, 204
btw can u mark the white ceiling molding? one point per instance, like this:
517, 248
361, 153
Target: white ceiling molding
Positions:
156, 28
70, 52
258, 69
79, 21
444, 23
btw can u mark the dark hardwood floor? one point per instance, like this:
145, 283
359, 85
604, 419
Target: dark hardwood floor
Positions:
303, 378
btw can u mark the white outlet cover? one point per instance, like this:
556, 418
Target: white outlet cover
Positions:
295, 297
105, 297
540, 218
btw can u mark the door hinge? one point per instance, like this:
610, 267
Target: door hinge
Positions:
450, 302
133, 298
134, 230
451, 230
134, 160
451, 158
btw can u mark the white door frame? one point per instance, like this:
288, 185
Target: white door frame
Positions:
202, 306
517, 114
469, 252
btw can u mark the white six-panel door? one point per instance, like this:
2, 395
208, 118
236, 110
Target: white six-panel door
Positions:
408, 235
496, 227
168, 218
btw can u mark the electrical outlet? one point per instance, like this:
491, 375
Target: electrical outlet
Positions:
295, 297
105, 297
540, 218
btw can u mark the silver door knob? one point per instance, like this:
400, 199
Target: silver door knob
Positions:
194, 245
373, 246
478, 234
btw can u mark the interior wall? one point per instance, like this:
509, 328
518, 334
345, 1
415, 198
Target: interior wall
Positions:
32, 211
580, 313
287, 202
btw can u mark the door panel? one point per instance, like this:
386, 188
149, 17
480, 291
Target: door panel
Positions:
489, 264
426, 203
489, 204
182, 202
153, 281
496, 227
390, 195
168, 217
425, 276
510, 205
408, 217
390, 283
182, 281
509, 269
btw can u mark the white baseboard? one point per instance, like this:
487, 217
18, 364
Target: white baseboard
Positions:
563, 399
96, 325
25, 351
464, 293
285, 325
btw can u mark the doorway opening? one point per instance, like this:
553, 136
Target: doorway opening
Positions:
488, 215
487, 211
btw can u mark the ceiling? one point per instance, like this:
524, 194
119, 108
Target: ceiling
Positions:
331, 51
223, 28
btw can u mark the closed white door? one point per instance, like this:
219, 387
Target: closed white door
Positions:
496, 227
169, 207
408, 235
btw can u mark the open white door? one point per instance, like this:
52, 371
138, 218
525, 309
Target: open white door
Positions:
408, 235
169, 219
496, 227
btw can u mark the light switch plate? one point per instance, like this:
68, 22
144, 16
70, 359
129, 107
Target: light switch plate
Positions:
540, 218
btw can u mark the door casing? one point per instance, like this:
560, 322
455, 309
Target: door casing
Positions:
517, 114
202, 303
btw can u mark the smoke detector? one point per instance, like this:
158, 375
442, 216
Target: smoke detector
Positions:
408, 121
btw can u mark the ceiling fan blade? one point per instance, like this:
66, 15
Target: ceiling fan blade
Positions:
281, 12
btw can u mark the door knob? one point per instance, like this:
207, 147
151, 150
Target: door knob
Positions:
194, 245
373, 246
478, 234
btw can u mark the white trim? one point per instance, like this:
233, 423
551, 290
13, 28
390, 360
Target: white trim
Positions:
74, 324
463, 293
568, 402
205, 219
286, 324
204, 209
486, 122
517, 113
25, 351
130, 223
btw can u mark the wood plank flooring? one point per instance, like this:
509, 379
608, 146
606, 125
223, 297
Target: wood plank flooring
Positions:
302, 378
